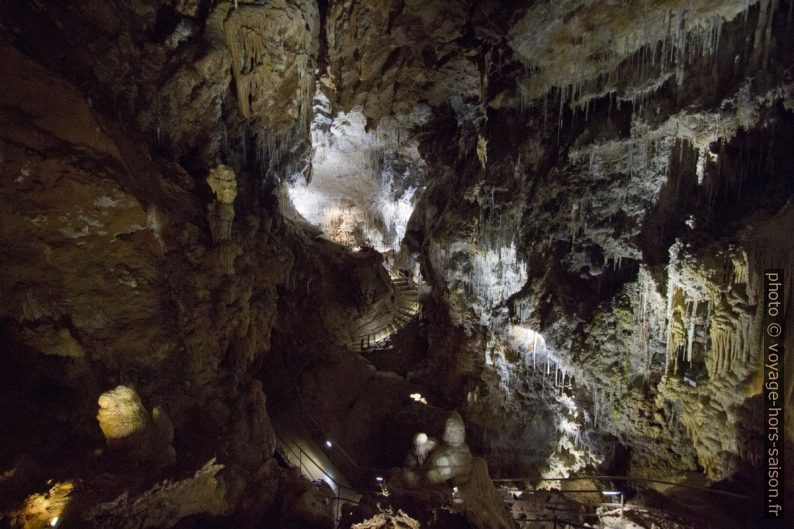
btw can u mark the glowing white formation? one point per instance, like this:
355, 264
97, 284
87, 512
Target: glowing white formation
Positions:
496, 273
418, 398
363, 184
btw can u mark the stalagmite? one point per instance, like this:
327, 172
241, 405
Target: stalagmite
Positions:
220, 213
130, 429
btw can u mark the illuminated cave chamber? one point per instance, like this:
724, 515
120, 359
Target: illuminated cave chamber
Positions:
362, 183
342, 263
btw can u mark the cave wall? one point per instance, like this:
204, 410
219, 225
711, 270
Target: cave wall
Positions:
116, 271
622, 203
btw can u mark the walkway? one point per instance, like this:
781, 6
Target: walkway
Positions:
299, 439
386, 317
560, 509
297, 446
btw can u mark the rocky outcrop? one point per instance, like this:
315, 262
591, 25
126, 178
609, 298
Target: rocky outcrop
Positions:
386, 56
388, 519
165, 504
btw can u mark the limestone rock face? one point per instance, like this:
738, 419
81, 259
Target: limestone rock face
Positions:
102, 237
40, 509
585, 278
110, 121
388, 520
188, 8
544, 35
385, 56
48, 340
274, 77
482, 503
310, 505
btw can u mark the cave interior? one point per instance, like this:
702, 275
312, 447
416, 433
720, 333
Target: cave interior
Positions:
373, 264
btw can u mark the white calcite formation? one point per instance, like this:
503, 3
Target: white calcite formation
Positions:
433, 463
363, 181
121, 414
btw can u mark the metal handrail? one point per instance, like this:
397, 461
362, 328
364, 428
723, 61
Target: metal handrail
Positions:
339, 498
624, 478
556, 521
556, 518
379, 311
305, 415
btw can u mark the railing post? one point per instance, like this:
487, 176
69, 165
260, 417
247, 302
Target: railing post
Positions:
338, 504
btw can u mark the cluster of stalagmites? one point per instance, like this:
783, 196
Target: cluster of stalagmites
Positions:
447, 468
433, 463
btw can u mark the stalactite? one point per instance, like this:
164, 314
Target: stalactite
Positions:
257, 63
691, 332
668, 324
534, 351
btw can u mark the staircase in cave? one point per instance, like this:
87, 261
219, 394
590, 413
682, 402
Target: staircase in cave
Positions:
386, 317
